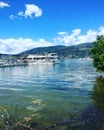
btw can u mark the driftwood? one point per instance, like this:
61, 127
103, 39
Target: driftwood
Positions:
7, 122
59, 124
24, 126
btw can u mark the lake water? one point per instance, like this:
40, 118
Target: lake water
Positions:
44, 95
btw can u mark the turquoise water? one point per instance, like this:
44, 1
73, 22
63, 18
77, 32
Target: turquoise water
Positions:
43, 95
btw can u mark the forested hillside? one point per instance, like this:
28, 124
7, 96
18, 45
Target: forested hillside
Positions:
77, 51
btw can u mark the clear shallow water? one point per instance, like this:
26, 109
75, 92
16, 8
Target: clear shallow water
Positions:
48, 94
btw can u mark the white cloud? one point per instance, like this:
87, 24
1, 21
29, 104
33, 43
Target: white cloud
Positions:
62, 33
76, 32
12, 17
67, 39
90, 36
21, 13
32, 11
3, 4
76, 37
101, 31
14, 46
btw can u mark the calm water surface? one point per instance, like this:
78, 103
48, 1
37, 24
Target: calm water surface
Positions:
48, 94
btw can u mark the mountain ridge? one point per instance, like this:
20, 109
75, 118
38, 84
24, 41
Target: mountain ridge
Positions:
75, 51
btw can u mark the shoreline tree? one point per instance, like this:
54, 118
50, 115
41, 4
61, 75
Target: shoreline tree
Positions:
97, 52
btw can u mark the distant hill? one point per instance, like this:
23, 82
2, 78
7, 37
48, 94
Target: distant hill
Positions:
76, 51
3, 55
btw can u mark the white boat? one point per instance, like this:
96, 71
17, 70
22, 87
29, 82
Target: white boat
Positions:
50, 58
1, 62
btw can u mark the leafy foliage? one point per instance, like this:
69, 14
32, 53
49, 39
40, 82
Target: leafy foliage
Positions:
98, 53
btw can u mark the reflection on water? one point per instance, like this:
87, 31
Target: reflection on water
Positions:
98, 94
47, 94
93, 116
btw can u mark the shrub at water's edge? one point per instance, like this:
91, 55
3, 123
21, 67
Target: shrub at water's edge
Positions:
98, 53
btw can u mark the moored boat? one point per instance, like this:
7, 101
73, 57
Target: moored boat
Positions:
50, 58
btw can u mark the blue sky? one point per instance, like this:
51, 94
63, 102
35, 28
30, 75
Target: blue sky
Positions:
26, 24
